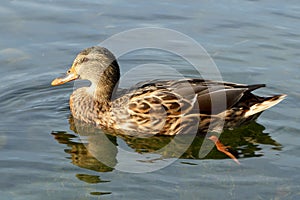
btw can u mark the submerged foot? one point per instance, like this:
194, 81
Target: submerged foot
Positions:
223, 148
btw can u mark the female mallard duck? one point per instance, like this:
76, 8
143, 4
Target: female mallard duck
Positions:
158, 107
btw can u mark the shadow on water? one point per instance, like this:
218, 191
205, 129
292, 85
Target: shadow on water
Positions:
94, 149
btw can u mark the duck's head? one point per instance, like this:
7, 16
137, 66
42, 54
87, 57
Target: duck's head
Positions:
96, 64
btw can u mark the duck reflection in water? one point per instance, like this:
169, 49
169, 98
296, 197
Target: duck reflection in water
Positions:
95, 149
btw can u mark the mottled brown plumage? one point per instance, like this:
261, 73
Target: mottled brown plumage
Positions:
158, 107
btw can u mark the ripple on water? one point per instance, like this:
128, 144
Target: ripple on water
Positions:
33, 98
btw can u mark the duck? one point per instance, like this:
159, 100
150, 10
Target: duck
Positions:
159, 107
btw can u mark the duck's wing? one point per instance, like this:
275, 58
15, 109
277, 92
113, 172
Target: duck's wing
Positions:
213, 96
220, 96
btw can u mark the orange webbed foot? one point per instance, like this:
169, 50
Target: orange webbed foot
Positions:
223, 148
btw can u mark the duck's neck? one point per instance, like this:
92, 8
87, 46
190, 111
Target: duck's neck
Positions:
102, 92
105, 84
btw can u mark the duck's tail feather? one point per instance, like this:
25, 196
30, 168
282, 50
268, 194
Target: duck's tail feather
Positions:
254, 87
267, 103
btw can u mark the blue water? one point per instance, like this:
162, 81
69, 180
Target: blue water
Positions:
43, 157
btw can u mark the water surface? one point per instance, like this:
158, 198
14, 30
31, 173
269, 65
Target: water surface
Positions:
42, 156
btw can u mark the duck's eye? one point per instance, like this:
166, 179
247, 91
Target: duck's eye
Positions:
69, 71
84, 59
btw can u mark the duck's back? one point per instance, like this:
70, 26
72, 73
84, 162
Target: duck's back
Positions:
169, 107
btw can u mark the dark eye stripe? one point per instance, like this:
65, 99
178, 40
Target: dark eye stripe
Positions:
85, 59
79, 61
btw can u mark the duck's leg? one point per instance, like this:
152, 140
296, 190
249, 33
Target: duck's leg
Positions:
222, 148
